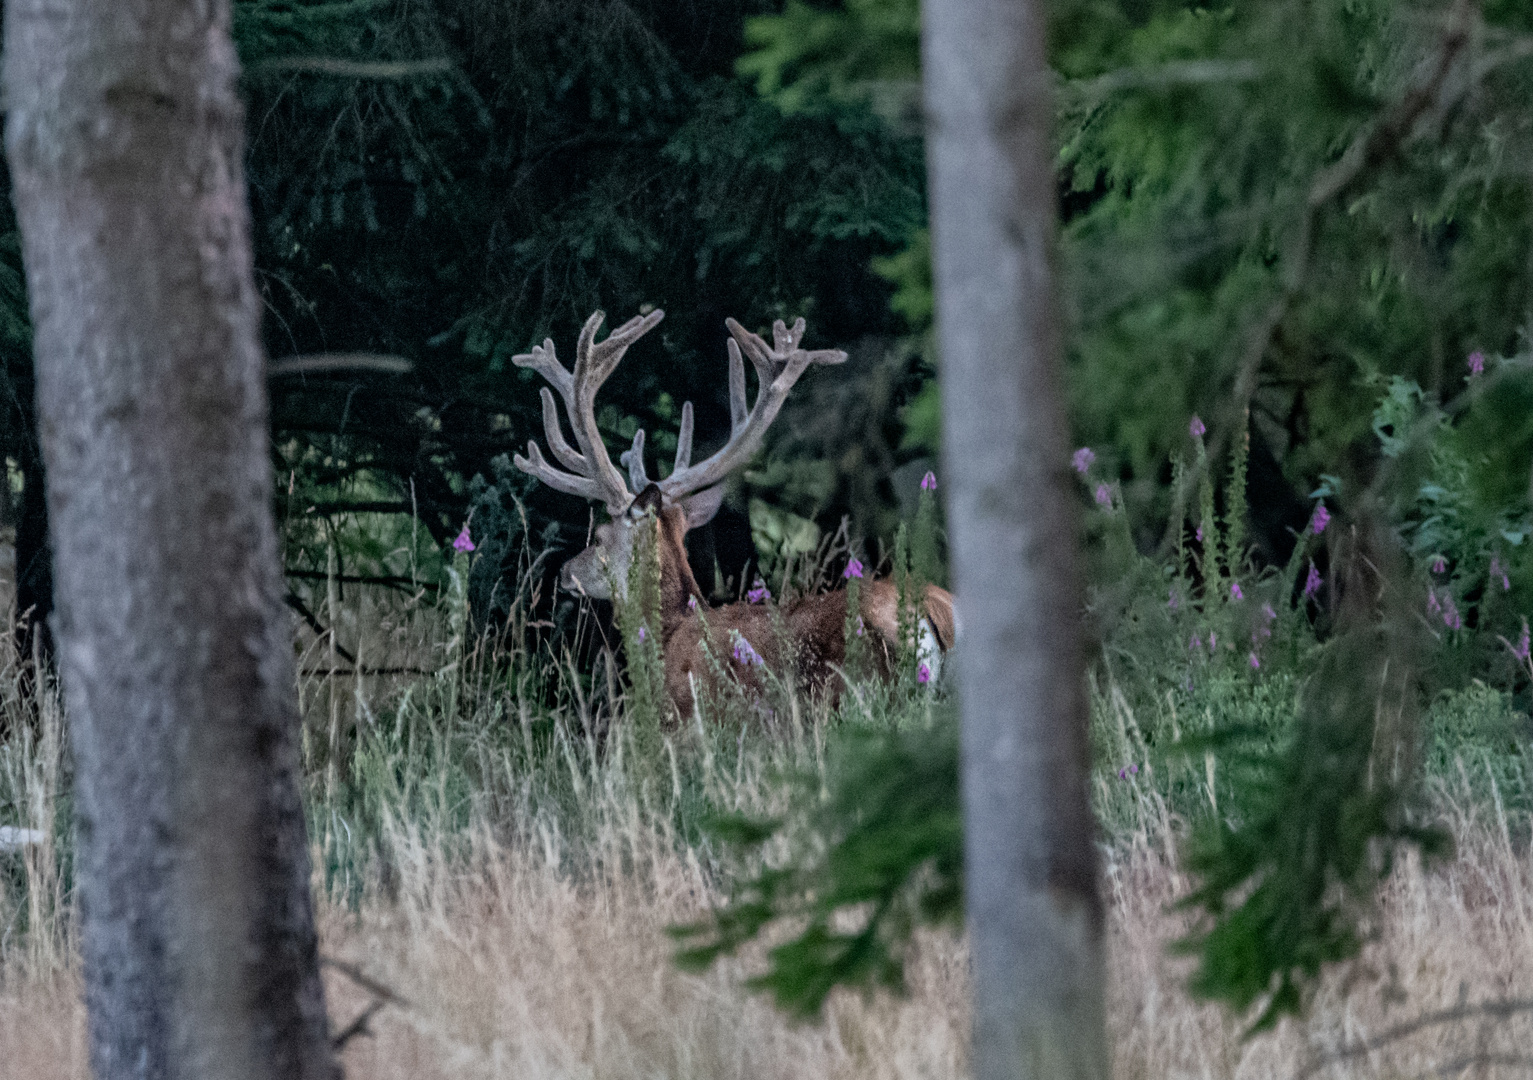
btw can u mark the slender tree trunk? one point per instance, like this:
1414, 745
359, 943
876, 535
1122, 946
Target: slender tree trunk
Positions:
1034, 916
124, 136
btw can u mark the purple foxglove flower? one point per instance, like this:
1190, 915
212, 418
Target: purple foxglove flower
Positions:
1439, 564
691, 603
1499, 571
463, 542
1476, 363
1312, 582
1268, 613
1174, 602
758, 593
923, 674
1198, 534
744, 653
929, 481
1451, 617
1213, 642
1522, 650
643, 633
1082, 459
1196, 428
1235, 593
853, 569
1104, 495
1196, 644
1255, 662
859, 626
1321, 519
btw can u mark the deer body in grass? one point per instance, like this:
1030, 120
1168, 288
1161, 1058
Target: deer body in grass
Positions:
701, 644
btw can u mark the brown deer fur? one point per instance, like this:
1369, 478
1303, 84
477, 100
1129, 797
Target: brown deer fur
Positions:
805, 637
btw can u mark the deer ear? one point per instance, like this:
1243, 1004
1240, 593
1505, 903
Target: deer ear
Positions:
646, 501
701, 507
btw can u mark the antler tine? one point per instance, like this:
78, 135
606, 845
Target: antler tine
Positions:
684, 439
778, 370
592, 473
567, 455
737, 407
767, 365
594, 362
542, 360
785, 339
638, 479
601, 359
534, 465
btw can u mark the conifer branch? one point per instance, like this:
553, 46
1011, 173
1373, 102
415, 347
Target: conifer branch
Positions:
324, 363
352, 69
1373, 147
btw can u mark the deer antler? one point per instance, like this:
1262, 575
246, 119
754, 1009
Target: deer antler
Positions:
777, 369
591, 473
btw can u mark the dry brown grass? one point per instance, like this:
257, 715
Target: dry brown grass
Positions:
512, 969
513, 964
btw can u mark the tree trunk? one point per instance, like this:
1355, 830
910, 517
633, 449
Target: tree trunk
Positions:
1034, 916
124, 136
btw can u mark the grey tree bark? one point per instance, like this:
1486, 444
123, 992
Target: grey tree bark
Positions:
1034, 915
124, 136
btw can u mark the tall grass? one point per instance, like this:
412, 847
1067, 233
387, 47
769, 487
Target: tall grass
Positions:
502, 847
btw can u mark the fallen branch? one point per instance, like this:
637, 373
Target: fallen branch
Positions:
353, 69
397, 581
382, 995
364, 671
318, 627
371, 506
1497, 1009
324, 363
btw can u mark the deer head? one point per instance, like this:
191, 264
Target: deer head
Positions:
696, 490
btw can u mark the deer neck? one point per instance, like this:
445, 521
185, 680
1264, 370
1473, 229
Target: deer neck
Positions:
677, 584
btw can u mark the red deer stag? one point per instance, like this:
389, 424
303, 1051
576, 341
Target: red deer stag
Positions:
805, 636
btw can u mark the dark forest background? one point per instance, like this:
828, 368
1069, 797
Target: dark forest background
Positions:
450, 181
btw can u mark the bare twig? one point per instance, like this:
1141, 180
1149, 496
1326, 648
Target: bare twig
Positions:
314, 624
395, 581
1179, 73
366, 981
1497, 1009
1458, 1065
347, 672
324, 363
377, 506
357, 1026
353, 69
382, 995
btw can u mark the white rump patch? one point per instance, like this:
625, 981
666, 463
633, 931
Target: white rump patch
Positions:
928, 651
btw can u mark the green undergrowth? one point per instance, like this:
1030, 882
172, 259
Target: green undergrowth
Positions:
841, 826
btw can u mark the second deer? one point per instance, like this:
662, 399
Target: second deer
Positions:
806, 636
